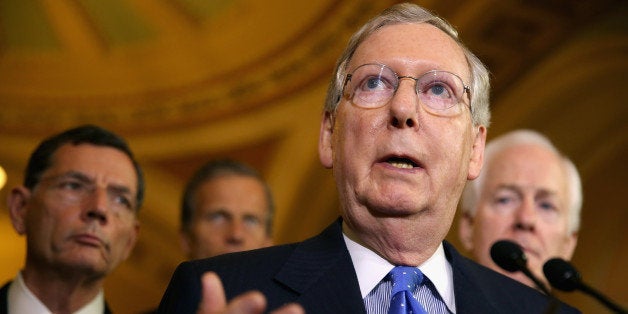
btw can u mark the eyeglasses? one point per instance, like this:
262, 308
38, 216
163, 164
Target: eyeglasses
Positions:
75, 188
373, 85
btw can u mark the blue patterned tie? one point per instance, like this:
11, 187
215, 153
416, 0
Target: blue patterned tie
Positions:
405, 280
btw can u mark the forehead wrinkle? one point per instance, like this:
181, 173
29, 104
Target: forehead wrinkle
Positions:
420, 48
73, 174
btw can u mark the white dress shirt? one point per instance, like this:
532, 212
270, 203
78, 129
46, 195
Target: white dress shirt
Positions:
372, 268
22, 300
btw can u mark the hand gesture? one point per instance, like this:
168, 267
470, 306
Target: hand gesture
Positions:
214, 302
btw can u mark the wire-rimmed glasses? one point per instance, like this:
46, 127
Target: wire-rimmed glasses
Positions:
372, 85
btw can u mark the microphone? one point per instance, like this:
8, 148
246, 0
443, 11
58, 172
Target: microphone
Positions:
509, 256
563, 276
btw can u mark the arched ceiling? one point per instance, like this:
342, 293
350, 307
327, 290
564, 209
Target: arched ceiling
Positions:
186, 80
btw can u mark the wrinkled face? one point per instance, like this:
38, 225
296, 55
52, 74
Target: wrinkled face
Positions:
81, 216
401, 160
230, 216
525, 199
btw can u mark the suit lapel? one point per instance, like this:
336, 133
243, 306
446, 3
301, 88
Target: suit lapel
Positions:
469, 295
321, 271
107, 309
4, 298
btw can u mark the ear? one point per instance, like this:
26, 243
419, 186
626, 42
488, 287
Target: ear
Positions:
570, 245
477, 153
325, 146
130, 244
17, 202
186, 243
465, 231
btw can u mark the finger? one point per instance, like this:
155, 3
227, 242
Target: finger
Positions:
252, 302
291, 308
213, 296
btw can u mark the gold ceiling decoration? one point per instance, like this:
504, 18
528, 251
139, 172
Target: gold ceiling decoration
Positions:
188, 80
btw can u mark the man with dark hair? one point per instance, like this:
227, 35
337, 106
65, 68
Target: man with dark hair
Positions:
226, 207
78, 210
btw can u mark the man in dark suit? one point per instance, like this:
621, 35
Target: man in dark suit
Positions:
404, 128
78, 211
226, 207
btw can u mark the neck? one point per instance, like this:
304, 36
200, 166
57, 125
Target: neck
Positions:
395, 244
61, 293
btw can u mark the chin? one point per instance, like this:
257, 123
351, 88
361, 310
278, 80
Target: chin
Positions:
397, 196
395, 207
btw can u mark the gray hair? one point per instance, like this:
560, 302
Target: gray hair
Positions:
407, 13
472, 190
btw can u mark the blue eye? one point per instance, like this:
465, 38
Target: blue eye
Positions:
252, 220
374, 83
547, 206
123, 200
503, 200
439, 90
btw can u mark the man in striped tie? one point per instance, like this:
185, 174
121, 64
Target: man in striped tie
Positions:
403, 129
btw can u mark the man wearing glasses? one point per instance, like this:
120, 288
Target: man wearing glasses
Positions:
403, 129
78, 211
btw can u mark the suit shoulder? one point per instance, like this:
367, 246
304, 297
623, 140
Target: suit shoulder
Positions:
254, 259
475, 284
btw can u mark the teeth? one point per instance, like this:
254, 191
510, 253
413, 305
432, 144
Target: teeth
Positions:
401, 164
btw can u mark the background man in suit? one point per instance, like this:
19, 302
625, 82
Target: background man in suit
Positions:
227, 207
527, 193
403, 129
78, 211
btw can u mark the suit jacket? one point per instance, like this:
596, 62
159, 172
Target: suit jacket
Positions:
318, 274
4, 300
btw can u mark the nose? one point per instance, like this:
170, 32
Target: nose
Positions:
236, 232
404, 105
96, 207
526, 216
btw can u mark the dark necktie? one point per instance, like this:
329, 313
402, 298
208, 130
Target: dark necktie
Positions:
405, 280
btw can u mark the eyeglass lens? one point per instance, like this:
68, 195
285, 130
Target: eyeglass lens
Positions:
373, 85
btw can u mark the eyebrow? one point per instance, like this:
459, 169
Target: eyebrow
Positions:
510, 187
542, 192
69, 175
85, 178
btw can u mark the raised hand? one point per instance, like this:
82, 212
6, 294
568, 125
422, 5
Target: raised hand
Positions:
214, 302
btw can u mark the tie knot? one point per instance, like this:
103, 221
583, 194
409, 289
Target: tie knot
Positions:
405, 278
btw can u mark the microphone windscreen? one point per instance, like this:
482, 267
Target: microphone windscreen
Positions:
561, 274
508, 255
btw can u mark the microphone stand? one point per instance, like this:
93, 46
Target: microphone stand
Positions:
536, 281
564, 276
509, 256
597, 295
554, 303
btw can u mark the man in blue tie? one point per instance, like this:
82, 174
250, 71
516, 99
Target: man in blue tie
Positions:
403, 129
405, 280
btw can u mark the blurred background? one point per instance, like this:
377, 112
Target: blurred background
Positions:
189, 80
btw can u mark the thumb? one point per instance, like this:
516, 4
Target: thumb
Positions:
213, 296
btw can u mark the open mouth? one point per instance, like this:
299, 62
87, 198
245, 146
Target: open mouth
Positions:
401, 162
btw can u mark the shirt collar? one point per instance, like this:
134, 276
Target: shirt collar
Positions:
22, 300
372, 268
